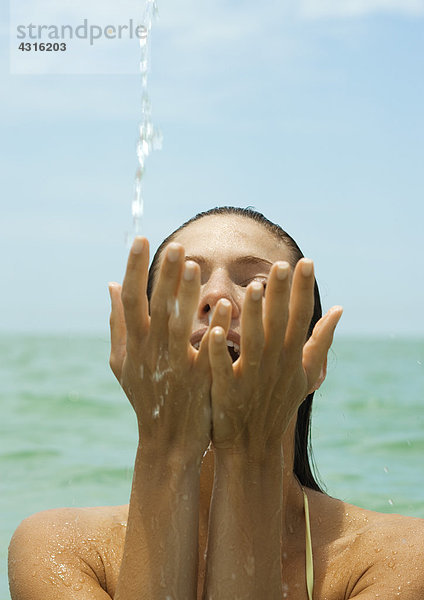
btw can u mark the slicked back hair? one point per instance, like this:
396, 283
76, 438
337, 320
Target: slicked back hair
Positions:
304, 466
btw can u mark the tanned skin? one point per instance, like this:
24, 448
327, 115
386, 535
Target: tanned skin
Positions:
229, 524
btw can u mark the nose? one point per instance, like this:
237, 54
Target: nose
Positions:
219, 285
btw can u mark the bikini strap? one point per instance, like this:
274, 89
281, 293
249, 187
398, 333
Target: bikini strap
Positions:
309, 558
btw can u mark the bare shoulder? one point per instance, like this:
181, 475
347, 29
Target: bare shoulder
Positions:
380, 554
58, 553
392, 550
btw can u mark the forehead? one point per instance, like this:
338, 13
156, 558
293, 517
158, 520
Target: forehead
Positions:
227, 237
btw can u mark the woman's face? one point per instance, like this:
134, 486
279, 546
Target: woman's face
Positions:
231, 251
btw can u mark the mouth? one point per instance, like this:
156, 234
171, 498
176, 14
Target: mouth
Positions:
233, 343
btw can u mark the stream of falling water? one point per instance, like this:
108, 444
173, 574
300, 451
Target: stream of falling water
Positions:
150, 138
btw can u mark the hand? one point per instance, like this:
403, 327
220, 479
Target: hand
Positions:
166, 380
254, 399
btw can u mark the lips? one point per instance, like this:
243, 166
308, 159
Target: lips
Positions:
233, 342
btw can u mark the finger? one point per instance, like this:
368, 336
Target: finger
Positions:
220, 361
252, 331
221, 318
276, 309
301, 307
181, 319
134, 298
164, 297
316, 348
118, 331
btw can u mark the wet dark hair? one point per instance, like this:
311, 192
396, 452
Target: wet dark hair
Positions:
304, 466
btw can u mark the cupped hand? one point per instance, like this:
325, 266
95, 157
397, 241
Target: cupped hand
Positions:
255, 398
166, 380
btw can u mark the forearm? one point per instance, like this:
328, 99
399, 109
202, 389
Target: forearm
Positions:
161, 545
244, 543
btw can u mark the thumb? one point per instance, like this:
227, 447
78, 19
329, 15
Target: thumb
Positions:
315, 351
118, 330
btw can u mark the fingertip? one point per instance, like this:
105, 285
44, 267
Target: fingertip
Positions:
223, 307
336, 310
113, 287
173, 252
307, 267
191, 270
138, 245
218, 334
256, 290
282, 270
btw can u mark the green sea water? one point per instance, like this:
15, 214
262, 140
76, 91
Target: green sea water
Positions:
68, 435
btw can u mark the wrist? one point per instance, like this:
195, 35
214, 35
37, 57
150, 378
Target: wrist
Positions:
256, 459
159, 458
157, 444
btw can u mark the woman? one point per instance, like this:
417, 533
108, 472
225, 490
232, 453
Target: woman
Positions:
208, 358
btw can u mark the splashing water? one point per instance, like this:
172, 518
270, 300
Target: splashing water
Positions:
150, 138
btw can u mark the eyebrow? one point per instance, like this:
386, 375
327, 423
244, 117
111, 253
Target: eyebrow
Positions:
241, 260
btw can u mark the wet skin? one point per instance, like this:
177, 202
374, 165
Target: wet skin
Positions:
78, 553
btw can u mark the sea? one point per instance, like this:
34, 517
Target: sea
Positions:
68, 434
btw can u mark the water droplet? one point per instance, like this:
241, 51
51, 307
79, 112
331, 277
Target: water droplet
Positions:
386, 469
156, 411
390, 502
210, 443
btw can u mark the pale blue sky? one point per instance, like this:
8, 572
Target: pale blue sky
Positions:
311, 111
